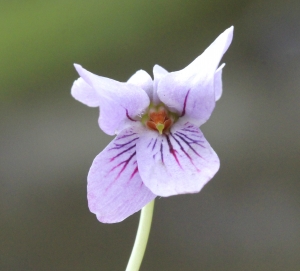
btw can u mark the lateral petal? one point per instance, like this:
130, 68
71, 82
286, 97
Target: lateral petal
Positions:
190, 92
120, 102
115, 188
177, 163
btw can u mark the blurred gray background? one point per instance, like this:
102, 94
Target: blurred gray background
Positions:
246, 218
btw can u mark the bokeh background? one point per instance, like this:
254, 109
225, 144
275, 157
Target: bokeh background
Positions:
246, 218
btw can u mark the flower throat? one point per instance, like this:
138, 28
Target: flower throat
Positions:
159, 119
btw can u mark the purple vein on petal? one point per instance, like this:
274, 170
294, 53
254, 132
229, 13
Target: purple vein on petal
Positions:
124, 136
119, 146
161, 151
194, 134
189, 130
184, 104
190, 126
127, 115
173, 151
150, 143
184, 151
154, 144
193, 141
119, 154
134, 172
188, 144
124, 163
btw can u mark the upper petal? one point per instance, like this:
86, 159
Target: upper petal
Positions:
143, 80
84, 93
178, 163
115, 188
190, 92
218, 82
158, 73
119, 102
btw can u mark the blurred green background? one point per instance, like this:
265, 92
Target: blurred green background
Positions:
246, 218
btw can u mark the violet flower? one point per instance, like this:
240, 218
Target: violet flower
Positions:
159, 149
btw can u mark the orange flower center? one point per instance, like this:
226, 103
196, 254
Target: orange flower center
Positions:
159, 121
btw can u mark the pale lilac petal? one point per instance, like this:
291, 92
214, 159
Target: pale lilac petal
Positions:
143, 80
84, 93
190, 92
115, 188
218, 82
120, 102
178, 163
158, 73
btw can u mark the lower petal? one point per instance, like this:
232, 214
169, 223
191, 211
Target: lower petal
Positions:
177, 163
115, 188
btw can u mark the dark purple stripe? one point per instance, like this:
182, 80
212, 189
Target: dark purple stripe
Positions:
134, 172
172, 151
124, 136
189, 145
150, 143
195, 141
113, 158
129, 116
154, 144
119, 146
184, 151
188, 130
125, 162
184, 104
161, 152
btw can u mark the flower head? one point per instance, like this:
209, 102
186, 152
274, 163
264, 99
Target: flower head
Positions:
159, 149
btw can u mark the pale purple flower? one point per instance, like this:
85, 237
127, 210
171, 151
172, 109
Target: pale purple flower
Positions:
159, 149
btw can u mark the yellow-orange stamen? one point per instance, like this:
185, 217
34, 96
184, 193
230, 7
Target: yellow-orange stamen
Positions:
159, 121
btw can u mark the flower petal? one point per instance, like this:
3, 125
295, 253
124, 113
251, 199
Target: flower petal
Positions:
115, 188
218, 82
178, 163
143, 80
190, 92
158, 73
84, 93
120, 102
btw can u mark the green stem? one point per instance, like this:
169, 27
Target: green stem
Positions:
141, 238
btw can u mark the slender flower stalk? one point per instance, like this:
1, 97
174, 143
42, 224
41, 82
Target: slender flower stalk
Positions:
141, 239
